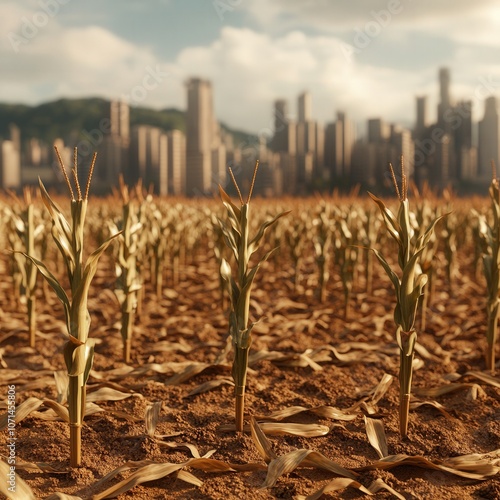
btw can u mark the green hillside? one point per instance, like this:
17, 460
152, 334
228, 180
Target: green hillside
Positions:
68, 118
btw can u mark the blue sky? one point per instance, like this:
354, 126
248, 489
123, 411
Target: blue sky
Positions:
368, 58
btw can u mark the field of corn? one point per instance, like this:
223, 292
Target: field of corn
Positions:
331, 347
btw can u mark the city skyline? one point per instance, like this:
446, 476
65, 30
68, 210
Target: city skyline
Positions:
298, 156
366, 60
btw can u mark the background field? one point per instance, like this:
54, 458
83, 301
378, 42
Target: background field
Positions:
305, 353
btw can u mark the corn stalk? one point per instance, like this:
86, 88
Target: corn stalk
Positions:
79, 349
23, 235
237, 238
322, 243
490, 236
296, 242
408, 287
424, 216
346, 253
128, 283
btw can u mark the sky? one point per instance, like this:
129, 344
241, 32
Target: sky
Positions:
367, 58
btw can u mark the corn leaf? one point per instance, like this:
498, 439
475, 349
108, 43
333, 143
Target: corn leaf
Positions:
21, 490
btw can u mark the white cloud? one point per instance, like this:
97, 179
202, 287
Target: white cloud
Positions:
82, 61
343, 14
250, 70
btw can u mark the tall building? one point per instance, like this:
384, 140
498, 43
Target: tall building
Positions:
320, 151
340, 137
421, 123
305, 107
281, 138
199, 137
444, 99
441, 175
119, 115
10, 159
403, 146
115, 148
10, 165
149, 155
462, 140
205, 152
306, 142
385, 144
15, 136
378, 131
489, 138
176, 163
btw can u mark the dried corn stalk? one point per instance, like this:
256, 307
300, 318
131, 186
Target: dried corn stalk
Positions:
409, 287
128, 279
490, 236
237, 238
22, 237
79, 349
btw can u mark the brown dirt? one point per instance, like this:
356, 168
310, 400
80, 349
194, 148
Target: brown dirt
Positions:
293, 322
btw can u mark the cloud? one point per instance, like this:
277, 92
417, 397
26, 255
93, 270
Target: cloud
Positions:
343, 14
250, 70
78, 61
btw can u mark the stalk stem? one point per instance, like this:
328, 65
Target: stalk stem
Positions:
240, 367
75, 443
75, 401
32, 318
492, 338
405, 377
239, 400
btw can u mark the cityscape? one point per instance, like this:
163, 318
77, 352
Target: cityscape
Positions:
301, 156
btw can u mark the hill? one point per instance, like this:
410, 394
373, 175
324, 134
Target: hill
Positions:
67, 118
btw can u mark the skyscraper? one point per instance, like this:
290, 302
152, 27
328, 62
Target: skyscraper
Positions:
462, 139
149, 154
281, 133
421, 123
176, 162
199, 137
305, 107
340, 137
119, 115
489, 138
444, 105
114, 151
10, 165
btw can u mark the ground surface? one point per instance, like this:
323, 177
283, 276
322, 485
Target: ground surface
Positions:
338, 363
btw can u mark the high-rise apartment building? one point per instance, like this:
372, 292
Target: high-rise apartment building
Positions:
445, 103
176, 162
149, 155
489, 138
284, 135
378, 130
462, 140
199, 138
10, 165
421, 123
119, 115
402, 146
114, 150
304, 107
339, 142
